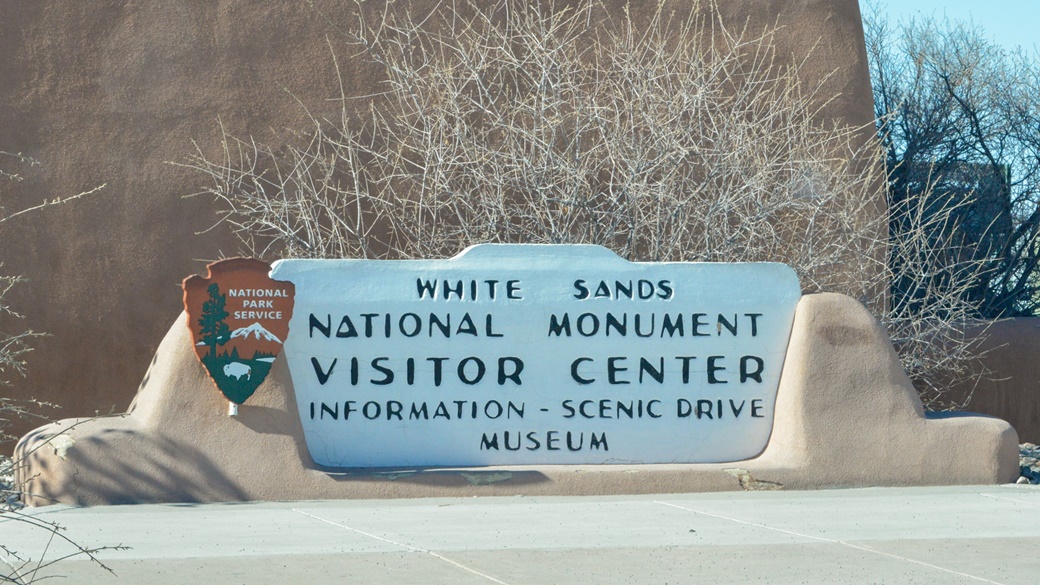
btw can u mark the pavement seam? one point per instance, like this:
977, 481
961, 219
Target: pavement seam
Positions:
403, 545
832, 541
1009, 499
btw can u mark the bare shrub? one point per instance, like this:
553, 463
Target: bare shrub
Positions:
21, 568
675, 140
14, 345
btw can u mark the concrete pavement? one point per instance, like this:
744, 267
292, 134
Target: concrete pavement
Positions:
972, 534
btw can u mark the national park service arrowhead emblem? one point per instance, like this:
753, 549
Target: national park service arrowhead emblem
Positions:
239, 318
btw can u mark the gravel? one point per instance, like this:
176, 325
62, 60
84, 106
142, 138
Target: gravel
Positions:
1029, 463
9, 499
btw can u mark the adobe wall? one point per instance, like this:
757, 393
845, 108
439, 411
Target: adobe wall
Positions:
108, 91
846, 415
1011, 390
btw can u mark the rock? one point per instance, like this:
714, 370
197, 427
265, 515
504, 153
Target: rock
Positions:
1029, 463
10, 498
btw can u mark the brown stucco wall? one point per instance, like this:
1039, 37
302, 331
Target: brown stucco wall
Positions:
108, 91
1011, 388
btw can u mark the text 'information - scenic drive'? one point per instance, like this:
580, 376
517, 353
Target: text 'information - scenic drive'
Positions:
535, 354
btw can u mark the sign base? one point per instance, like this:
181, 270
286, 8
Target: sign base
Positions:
846, 416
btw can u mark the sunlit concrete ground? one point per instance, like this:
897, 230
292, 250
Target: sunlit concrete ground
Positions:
987, 534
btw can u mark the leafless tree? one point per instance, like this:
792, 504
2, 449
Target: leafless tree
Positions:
959, 120
678, 139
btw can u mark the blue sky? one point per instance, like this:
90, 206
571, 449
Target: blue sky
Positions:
1009, 22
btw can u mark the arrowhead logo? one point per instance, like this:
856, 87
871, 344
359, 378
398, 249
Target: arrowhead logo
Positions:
238, 317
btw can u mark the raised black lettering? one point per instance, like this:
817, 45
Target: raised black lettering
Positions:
551, 438
437, 369
683, 408
368, 322
613, 369
621, 327
558, 326
756, 408
696, 324
583, 293
514, 375
653, 325
388, 374
566, 404
487, 444
323, 376
425, 287
584, 318
466, 326
570, 444
493, 409
350, 330
505, 440
445, 327
325, 329
754, 322
736, 409
621, 288
574, 371
489, 331
416, 324
650, 409
746, 373
645, 367
686, 359
448, 289
371, 410
731, 327
665, 291
670, 327
333, 412
712, 368
393, 410
704, 409
481, 369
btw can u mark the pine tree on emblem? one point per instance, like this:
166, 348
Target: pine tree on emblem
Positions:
214, 331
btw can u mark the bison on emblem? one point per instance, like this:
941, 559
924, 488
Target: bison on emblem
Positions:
236, 370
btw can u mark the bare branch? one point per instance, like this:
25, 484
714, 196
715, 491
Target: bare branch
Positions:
677, 139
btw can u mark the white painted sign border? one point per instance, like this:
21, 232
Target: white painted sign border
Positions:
695, 383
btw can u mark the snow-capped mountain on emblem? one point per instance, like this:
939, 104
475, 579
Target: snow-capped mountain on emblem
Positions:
256, 331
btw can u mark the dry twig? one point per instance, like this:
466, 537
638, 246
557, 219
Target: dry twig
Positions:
680, 140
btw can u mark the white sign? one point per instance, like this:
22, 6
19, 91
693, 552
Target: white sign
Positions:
536, 354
